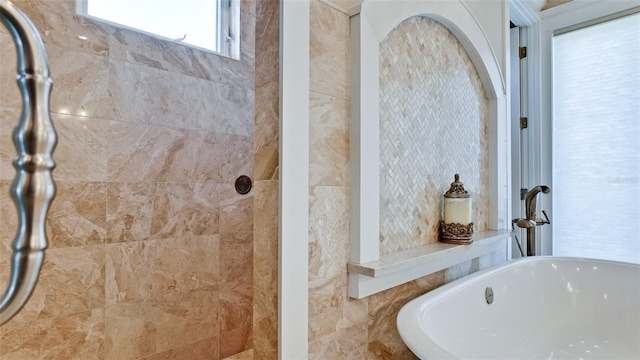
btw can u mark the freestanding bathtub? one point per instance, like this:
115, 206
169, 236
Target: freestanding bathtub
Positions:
531, 308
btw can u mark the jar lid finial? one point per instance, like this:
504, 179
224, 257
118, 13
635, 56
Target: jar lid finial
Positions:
457, 189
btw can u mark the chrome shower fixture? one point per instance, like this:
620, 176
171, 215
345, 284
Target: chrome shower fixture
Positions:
35, 139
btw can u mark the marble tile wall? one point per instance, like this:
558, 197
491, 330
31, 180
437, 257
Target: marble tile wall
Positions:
434, 118
265, 224
340, 327
151, 249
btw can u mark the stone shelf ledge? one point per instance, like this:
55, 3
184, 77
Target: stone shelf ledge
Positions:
406, 265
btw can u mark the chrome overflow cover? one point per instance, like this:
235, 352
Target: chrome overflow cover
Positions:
488, 295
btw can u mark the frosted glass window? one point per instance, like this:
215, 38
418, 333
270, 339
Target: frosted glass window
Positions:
596, 143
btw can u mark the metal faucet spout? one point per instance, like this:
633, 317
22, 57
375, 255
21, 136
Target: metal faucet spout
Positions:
530, 200
532, 220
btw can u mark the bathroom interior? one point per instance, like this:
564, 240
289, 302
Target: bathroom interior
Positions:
154, 253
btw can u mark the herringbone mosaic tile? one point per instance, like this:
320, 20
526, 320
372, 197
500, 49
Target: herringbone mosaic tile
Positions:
433, 124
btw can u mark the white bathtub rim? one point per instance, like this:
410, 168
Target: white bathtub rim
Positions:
411, 334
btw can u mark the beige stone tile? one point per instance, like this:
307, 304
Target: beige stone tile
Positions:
80, 84
138, 48
328, 231
75, 336
81, 150
141, 152
9, 91
237, 156
350, 343
384, 339
148, 95
236, 260
77, 215
266, 132
71, 281
81, 153
265, 339
129, 211
8, 224
181, 210
325, 306
236, 213
265, 270
8, 119
235, 310
328, 140
329, 51
140, 329
267, 42
155, 269
266, 123
330, 308
245, 355
206, 349
59, 25
235, 341
247, 35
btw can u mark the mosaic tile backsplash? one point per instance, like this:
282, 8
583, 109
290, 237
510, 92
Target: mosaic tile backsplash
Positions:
433, 124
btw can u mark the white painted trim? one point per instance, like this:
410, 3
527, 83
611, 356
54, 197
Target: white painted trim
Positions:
361, 286
521, 14
524, 16
293, 244
560, 17
365, 143
374, 21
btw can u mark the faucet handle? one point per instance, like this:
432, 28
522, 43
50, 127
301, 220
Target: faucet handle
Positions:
547, 221
544, 221
523, 223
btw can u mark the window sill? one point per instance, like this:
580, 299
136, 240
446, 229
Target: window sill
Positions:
406, 265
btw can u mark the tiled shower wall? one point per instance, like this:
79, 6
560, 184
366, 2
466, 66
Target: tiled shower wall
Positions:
151, 248
340, 327
265, 223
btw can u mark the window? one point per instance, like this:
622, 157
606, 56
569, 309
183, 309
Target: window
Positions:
208, 24
596, 140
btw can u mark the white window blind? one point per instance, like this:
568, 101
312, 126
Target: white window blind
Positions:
596, 141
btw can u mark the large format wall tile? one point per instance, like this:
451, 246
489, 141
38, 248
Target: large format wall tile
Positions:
140, 152
329, 141
328, 231
81, 153
78, 215
151, 270
139, 329
265, 269
76, 336
147, 95
129, 211
328, 51
71, 281
185, 210
151, 136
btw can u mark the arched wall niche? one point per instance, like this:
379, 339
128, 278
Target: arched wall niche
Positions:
369, 26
